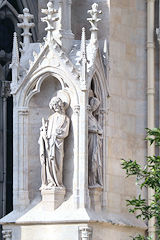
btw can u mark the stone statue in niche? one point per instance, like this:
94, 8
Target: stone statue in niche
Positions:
94, 144
52, 135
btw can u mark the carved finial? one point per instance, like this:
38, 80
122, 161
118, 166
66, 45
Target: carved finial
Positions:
93, 21
15, 53
50, 19
26, 25
15, 61
83, 45
83, 60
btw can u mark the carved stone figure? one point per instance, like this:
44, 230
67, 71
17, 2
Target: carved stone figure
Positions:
52, 135
94, 145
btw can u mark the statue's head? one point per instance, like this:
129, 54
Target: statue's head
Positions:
94, 103
61, 102
57, 105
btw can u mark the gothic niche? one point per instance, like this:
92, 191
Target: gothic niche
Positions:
49, 106
95, 138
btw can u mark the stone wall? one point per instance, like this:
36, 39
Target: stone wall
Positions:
80, 15
127, 81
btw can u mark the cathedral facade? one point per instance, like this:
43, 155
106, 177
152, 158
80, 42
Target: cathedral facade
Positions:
79, 84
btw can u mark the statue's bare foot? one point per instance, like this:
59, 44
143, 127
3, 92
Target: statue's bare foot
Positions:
43, 187
50, 185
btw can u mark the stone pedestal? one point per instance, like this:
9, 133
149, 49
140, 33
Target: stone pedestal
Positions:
52, 198
95, 194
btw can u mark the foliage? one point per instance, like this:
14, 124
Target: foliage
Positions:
146, 176
139, 237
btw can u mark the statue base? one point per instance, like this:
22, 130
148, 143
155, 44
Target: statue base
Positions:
95, 194
52, 198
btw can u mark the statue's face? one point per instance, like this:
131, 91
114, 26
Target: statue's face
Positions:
94, 103
57, 105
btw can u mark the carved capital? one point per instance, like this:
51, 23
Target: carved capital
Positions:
76, 109
85, 233
7, 234
150, 45
23, 111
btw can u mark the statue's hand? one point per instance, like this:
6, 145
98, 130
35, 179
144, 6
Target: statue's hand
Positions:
100, 132
59, 131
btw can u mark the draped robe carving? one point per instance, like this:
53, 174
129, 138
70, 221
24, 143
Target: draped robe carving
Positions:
52, 135
94, 146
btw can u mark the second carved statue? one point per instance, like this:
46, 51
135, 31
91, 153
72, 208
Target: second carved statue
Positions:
52, 135
94, 145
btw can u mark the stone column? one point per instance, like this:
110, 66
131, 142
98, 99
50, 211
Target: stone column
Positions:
76, 155
69, 15
83, 151
83, 128
22, 158
150, 93
5, 93
103, 114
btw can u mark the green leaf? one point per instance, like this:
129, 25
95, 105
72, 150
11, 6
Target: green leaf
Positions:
147, 176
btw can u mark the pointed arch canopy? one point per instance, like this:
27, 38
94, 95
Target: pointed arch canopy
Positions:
33, 86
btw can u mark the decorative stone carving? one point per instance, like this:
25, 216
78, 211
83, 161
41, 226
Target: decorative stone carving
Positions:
26, 25
50, 19
94, 145
15, 63
83, 61
85, 233
39, 73
52, 135
7, 234
93, 21
23, 111
76, 109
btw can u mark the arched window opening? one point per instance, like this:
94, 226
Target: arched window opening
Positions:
6, 36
